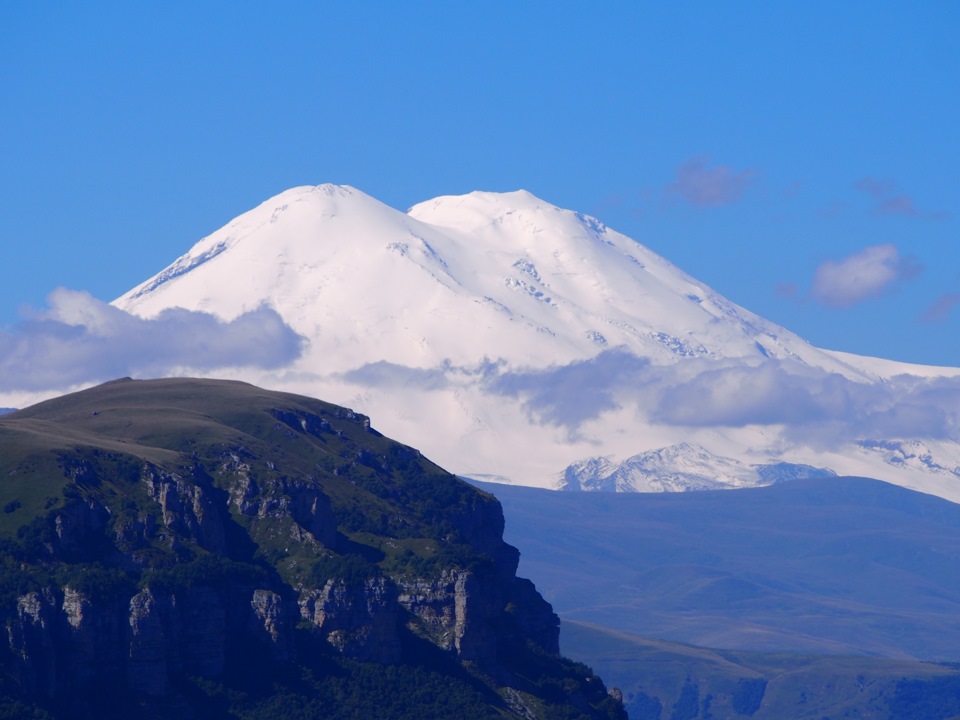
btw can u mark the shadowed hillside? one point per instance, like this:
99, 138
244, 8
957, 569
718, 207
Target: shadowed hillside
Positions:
831, 565
201, 548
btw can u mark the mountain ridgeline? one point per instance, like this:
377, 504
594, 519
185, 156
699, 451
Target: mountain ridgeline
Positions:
206, 548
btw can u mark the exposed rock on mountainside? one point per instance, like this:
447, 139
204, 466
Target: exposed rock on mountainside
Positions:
199, 547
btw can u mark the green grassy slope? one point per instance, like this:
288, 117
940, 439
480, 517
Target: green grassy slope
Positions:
259, 490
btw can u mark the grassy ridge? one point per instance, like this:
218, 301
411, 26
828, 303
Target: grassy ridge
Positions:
260, 490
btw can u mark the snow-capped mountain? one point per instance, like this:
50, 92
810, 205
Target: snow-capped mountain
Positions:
510, 339
679, 468
458, 279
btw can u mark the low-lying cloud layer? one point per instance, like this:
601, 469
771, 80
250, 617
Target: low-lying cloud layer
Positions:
817, 407
80, 339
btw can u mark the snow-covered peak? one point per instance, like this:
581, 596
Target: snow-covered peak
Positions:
508, 337
480, 208
512, 219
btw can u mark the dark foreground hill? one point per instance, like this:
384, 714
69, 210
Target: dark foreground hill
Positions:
200, 548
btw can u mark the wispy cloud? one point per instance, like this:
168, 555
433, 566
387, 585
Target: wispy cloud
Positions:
704, 185
941, 309
889, 200
812, 406
787, 290
383, 374
815, 406
79, 339
862, 275
569, 395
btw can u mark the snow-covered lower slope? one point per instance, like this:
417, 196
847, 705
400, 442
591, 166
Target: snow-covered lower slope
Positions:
510, 339
679, 468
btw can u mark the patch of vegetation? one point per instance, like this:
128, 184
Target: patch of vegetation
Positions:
644, 707
748, 695
562, 685
354, 569
926, 699
205, 569
345, 690
97, 582
687, 705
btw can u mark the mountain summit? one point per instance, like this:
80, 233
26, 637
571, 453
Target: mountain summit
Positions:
518, 341
502, 275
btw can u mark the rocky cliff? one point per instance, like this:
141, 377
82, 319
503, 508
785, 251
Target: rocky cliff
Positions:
170, 544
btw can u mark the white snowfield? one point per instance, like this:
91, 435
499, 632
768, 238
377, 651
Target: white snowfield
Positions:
512, 340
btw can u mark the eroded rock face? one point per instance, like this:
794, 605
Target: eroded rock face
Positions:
271, 623
180, 570
187, 507
78, 525
358, 619
61, 638
457, 612
290, 498
31, 638
60, 643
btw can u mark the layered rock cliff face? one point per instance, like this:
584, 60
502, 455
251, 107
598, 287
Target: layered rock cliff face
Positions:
158, 531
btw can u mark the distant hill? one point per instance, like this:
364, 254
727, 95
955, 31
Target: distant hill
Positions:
661, 680
207, 549
818, 566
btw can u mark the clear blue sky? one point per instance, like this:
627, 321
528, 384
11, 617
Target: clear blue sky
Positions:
801, 158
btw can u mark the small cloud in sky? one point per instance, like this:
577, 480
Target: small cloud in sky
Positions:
79, 339
833, 209
862, 275
704, 185
889, 200
793, 190
787, 290
941, 309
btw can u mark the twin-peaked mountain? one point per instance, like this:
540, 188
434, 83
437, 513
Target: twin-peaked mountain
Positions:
516, 341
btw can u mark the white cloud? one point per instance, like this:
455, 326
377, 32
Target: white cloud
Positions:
816, 407
861, 276
941, 309
79, 339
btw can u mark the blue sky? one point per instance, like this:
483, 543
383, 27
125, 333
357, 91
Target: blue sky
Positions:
803, 159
